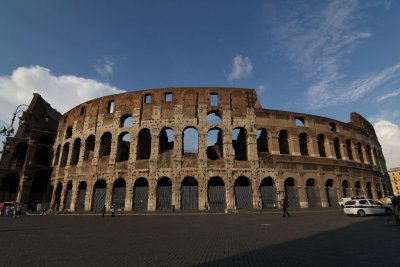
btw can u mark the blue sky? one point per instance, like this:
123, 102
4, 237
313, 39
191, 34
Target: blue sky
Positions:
326, 58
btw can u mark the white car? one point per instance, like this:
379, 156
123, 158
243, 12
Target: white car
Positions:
362, 207
345, 199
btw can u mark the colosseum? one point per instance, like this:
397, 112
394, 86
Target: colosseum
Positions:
208, 149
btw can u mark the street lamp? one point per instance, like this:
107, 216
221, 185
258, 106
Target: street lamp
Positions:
9, 131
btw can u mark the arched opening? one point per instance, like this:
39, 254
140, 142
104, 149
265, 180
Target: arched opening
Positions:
64, 155
378, 190
262, 140
299, 121
125, 121
313, 194
336, 145
19, 155
189, 194
369, 191
303, 144
359, 150
332, 194
57, 156
45, 140
346, 189
283, 142
321, 145
143, 144
99, 195
213, 118
190, 141
165, 147
80, 200
105, 145
43, 155
164, 194
369, 154
268, 193
140, 194
332, 127
68, 132
39, 188
214, 144
118, 194
123, 147
68, 196
75, 151
89, 148
57, 197
9, 187
243, 193
291, 193
358, 189
216, 194
239, 143
349, 150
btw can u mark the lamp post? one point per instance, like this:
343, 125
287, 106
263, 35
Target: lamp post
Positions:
9, 131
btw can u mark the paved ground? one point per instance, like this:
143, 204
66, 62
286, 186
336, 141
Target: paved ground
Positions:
311, 237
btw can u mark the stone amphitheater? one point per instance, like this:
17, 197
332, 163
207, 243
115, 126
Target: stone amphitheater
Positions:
209, 149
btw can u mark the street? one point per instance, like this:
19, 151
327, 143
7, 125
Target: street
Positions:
311, 237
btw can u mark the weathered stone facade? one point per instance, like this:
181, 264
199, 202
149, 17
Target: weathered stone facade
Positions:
209, 148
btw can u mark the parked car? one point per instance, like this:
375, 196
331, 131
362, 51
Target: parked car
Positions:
362, 207
345, 199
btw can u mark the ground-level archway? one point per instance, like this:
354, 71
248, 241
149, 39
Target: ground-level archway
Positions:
68, 196
99, 195
268, 193
216, 194
9, 187
313, 194
189, 194
164, 194
140, 194
291, 193
118, 194
331, 193
80, 199
243, 193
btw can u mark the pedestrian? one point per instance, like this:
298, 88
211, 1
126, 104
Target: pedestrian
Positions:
112, 210
18, 208
103, 210
284, 207
396, 208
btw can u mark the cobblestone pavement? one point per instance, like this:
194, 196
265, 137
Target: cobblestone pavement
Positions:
311, 237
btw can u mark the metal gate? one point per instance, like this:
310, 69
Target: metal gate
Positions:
332, 197
216, 197
164, 196
68, 197
268, 197
292, 196
313, 196
346, 192
243, 197
141, 198
99, 199
80, 200
118, 197
189, 197
359, 192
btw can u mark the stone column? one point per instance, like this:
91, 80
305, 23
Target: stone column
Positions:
230, 194
89, 197
312, 146
109, 195
62, 198
293, 142
329, 149
128, 195
152, 193
303, 197
74, 194
273, 142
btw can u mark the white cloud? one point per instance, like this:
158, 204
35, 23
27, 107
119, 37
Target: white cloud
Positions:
105, 69
62, 92
389, 95
389, 137
261, 88
328, 93
241, 68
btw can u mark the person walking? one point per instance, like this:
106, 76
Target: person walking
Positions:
284, 207
103, 210
112, 210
